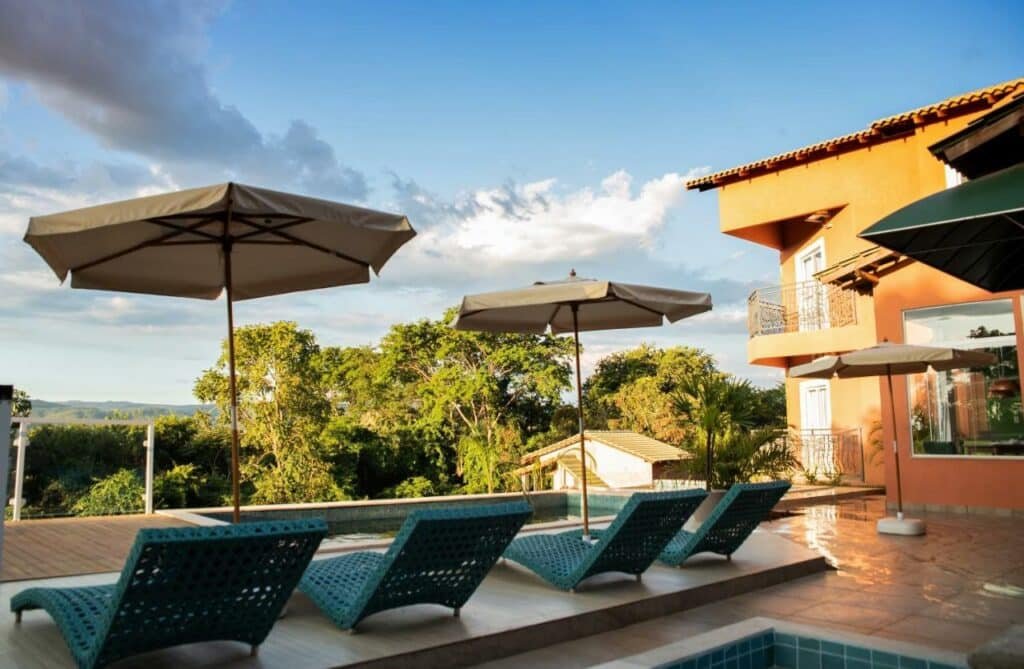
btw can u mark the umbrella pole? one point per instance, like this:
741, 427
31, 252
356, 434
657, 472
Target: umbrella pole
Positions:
895, 445
579, 412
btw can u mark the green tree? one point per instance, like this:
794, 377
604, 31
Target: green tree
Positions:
632, 390
486, 392
283, 408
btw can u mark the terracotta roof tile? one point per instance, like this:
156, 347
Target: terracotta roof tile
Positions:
878, 131
650, 450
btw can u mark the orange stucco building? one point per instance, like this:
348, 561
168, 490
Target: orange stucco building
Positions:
961, 433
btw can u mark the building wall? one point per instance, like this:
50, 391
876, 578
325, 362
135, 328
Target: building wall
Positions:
957, 481
865, 185
617, 468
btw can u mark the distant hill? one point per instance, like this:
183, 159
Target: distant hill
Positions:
73, 409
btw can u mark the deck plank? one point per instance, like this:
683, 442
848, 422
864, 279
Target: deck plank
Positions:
52, 547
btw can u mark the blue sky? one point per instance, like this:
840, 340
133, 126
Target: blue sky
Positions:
586, 116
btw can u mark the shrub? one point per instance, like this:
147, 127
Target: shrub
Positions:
121, 492
414, 486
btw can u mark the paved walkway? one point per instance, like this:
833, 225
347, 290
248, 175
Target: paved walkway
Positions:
66, 546
956, 587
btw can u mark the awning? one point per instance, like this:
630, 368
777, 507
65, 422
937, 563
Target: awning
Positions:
974, 231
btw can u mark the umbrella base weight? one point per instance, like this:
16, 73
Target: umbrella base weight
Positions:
908, 527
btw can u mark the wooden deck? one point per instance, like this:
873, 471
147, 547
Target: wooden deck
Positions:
68, 546
513, 611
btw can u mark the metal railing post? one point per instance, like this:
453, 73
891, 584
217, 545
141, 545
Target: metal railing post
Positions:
150, 451
19, 469
6, 405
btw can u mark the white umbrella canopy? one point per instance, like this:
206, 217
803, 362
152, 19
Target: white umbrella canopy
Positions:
572, 305
888, 359
243, 241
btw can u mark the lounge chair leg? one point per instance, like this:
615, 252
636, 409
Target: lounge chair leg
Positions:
456, 611
352, 630
572, 590
17, 617
254, 650
639, 578
728, 557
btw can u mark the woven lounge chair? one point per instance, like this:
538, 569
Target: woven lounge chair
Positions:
630, 544
183, 585
733, 520
439, 556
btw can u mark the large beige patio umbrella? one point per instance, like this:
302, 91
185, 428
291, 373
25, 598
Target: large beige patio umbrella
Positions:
243, 241
573, 305
888, 359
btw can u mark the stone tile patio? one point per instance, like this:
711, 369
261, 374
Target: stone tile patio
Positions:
955, 588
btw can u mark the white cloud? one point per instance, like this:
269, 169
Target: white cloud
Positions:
537, 223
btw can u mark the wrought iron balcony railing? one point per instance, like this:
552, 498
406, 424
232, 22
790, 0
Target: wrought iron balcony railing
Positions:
800, 307
825, 453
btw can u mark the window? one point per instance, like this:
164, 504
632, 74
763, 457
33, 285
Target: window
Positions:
967, 412
953, 178
812, 303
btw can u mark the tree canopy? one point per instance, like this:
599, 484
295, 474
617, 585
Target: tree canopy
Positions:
428, 410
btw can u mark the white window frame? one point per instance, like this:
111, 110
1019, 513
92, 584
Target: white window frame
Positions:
812, 294
805, 388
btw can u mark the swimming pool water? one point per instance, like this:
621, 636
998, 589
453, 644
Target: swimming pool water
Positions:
382, 520
775, 650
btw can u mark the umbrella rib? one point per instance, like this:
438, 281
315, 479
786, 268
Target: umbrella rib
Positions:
192, 230
141, 245
301, 242
1010, 256
258, 231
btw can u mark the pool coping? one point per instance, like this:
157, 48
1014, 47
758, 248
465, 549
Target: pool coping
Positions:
724, 636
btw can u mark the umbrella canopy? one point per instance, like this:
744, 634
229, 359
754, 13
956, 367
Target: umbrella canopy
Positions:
974, 231
570, 306
173, 244
243, 241
888, 359
597, 305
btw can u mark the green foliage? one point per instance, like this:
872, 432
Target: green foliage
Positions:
484, 394
282, 409
631, 390
188, 485
121, 492
22, 405
428, 411
414, 486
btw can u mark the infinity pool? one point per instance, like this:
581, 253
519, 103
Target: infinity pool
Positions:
381, 519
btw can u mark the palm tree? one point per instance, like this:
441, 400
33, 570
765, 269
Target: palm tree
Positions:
713, 403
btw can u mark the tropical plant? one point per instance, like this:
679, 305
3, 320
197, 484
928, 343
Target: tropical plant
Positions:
713, 404
743, 455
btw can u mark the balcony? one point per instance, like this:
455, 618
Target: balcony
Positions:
828, 453
807, 306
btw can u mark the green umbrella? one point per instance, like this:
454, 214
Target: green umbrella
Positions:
974, 231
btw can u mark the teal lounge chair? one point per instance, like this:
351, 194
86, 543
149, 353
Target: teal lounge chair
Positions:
439, 556
733, 519
630, 544
183, 585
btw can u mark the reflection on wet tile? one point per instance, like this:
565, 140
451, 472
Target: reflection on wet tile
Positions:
953, 588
